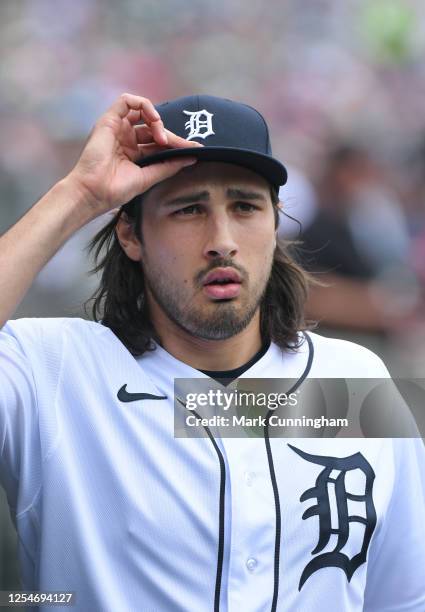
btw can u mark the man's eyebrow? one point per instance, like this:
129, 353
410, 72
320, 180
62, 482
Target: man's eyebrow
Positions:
235, 193
190, 198
232, 193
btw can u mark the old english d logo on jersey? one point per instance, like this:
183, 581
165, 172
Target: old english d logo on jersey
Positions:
199, 124
320, 492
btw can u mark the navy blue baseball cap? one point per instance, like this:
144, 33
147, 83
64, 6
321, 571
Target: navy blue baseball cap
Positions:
230, 132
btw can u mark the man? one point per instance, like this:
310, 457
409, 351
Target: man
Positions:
107, 501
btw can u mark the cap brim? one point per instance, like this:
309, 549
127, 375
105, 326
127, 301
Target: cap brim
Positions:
268, 167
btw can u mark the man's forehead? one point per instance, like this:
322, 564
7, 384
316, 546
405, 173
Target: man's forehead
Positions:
204, 175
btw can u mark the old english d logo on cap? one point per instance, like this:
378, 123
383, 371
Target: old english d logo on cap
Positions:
199, 124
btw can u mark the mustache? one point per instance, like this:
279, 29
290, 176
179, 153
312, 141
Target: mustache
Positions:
219, 262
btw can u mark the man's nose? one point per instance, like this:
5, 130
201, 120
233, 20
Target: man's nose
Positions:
220, 241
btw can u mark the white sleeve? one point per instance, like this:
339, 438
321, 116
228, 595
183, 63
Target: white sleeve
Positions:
30, 361
20, 449
396, 566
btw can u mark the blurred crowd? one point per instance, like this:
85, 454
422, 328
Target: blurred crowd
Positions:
360, 231
342, 85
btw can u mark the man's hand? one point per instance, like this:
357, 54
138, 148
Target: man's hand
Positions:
106, 175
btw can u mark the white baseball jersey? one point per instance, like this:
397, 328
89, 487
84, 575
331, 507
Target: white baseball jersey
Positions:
109, 504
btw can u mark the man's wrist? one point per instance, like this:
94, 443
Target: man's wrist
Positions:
81, 202
63, 210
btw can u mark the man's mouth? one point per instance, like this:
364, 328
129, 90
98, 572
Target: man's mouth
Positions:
222, 283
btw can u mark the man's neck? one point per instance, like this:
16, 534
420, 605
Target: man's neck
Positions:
210, 354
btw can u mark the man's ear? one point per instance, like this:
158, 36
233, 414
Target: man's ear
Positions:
127, 238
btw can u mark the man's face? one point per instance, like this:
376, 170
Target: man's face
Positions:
208, 244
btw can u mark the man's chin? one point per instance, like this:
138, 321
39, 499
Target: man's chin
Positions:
213, 334
226, 322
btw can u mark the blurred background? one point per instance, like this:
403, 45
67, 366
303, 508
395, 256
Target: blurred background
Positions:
342, 86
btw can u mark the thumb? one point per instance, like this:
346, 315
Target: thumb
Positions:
160, 171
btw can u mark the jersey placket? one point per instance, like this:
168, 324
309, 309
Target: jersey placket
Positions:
251, 509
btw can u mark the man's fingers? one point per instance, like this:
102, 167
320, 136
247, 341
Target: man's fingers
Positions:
175, 141
127, 102
148, 114
143, 134
151, 148
158, 131
136, 108
134, 116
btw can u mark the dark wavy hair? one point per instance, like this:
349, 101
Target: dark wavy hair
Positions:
119, 301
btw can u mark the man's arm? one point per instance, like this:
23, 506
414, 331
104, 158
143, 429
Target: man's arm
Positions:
356, 304
105, 176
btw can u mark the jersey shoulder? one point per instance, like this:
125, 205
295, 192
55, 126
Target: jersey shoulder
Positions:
38, 337
49, 326
343, 359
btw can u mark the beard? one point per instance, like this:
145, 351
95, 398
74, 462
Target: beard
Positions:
216, 320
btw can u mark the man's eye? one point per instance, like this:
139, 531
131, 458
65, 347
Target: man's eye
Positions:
188, 210
244, 207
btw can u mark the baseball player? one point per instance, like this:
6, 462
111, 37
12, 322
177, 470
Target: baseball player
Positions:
107, 501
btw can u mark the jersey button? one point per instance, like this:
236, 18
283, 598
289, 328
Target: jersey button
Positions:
251, 564
249, 478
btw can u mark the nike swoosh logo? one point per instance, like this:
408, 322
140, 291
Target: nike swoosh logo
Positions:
124, 396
